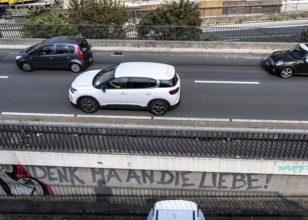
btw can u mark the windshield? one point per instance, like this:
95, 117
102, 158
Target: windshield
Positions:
35, 46
104, 76
175, 215
297, 52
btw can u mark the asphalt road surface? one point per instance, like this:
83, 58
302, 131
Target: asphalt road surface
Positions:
215, 87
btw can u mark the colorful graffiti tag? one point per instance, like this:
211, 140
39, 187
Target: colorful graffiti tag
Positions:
16, 180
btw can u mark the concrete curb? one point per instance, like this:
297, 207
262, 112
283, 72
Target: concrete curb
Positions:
165, 46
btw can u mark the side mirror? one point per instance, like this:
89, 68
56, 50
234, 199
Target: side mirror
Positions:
306, 60
104, 88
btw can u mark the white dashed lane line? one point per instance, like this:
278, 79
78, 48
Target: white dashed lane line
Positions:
228, 82
4, 77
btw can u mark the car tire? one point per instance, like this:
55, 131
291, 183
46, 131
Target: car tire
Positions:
88, 105
75, 67
26, 66
158, 107
286, 72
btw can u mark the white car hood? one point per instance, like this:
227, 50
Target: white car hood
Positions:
84, 80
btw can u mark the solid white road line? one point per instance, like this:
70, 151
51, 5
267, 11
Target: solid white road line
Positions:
113, 116
193, 119
37, 114
159, 118
270, 121
227, 82
4, 77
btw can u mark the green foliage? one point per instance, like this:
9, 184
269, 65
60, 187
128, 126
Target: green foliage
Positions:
45, 16
212, 38
183, 19
275, 18
112, 14
46, 24
304, 36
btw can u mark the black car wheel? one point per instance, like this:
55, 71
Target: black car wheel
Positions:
26, 66
75, 67
158, 107
286, 72
88, 105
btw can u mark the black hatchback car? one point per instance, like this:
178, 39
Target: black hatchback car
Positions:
287, 63
72, 53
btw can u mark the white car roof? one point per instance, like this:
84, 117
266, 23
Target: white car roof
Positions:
304, 46
175, 205
152, 70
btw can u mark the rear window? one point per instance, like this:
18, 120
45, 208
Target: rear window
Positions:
176, 214
84, 46
169, 83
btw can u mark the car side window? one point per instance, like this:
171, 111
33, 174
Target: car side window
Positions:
47, 50
62, 49
120, 83
71, 48
142, 83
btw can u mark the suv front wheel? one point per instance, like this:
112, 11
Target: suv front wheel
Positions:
158, 107
88, 105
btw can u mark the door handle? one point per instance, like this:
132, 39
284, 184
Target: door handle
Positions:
123, 93
148, 93
51, 58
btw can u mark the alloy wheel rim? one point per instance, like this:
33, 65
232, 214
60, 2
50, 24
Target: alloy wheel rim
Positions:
287, 72
159, 108
88, 106
75, 68
26, 66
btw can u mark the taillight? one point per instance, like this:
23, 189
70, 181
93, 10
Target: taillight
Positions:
80, 54
174, 91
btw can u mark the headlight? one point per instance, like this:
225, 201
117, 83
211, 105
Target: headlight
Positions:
73, 90
18, 57
279, 63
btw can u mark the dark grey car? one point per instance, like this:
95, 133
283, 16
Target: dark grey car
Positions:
57, 53
289, 62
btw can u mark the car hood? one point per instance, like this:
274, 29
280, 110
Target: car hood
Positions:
281, 55
85, 79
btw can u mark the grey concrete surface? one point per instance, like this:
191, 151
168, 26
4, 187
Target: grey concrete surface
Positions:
164, 46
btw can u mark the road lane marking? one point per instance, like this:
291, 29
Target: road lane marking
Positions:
4, 77
270, 121
113, 116
159, 118
193, 119
37, 114
228, 82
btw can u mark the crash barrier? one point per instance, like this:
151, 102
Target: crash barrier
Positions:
56, 159
161, 33
232, 143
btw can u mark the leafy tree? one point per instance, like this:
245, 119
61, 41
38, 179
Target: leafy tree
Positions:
176, 21
47, 23
108, 16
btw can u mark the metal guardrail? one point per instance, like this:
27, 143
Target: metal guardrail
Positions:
164, 33
167, 142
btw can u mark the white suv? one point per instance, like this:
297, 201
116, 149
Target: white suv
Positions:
175, 210
154, 86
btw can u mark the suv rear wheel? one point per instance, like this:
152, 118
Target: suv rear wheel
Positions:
75, 67
158, 107
88, 105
